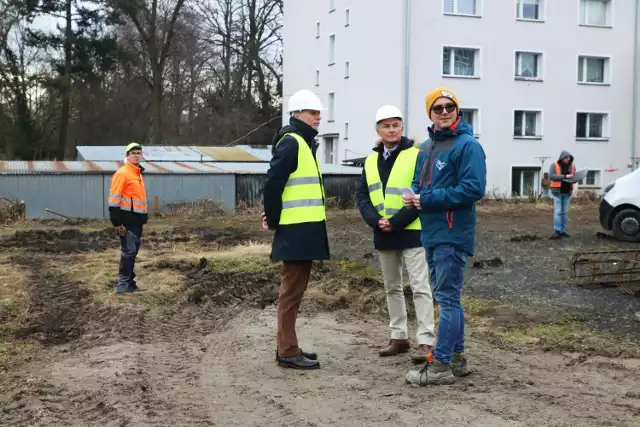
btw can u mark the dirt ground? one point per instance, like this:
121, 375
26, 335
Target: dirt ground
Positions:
196, 347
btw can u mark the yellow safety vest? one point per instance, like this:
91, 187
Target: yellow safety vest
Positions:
389, 202
303, 196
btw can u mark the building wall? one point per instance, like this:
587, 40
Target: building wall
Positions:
374, 45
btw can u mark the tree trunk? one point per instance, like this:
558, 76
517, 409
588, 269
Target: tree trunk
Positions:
156, 106
65, 86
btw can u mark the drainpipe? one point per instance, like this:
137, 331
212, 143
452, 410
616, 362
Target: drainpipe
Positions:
407, 53
634, 105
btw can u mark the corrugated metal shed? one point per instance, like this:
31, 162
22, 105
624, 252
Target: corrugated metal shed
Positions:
262, 151
48, 167
152, 153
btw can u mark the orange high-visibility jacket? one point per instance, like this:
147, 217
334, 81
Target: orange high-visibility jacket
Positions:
558, 184
127, 196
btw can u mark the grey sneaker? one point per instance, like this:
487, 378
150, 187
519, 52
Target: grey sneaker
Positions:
459, 365
436, 373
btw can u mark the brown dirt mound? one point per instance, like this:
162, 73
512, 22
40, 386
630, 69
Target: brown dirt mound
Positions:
72, 240
227, 283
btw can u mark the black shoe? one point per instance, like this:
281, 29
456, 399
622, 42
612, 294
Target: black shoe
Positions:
556, 236
297, 361
310, 356
565, 234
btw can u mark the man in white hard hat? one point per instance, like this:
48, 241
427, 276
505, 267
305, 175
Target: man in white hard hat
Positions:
396, 233
294, 206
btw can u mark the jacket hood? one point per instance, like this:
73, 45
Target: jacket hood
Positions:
295, 126
402, 145
462, 128
564, 154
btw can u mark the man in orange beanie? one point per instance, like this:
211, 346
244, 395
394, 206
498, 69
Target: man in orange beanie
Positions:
450, 177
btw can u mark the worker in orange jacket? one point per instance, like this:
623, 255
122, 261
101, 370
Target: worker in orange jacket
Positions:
128, 213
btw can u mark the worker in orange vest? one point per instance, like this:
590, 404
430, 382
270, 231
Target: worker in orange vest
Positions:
128, 213
559, 172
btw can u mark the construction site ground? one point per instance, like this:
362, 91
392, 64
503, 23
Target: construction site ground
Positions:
196, 346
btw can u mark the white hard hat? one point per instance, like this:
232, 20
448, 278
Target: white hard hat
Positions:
388, 112
304, 100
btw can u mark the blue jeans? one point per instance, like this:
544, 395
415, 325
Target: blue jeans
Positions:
446, 272
129, 247
560, 212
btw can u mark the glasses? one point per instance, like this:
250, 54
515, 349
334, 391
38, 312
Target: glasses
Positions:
438, 109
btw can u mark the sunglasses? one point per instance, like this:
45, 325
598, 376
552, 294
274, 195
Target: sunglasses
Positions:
438, 109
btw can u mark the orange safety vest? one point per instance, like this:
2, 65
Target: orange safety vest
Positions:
127, 190
558, 184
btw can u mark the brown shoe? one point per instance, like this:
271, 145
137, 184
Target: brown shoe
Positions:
395, 347
421, 354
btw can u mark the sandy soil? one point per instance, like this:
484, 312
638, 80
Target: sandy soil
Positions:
197, 347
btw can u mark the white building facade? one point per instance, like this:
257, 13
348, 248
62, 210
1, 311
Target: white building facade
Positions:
534, 77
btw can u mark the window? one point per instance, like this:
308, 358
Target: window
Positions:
460, 61
346, 130
347, 69
318, 29
472, 117
347, 17
595, 12
332, 49
461, 7
592, 126
317, 77
527, 124
531, 10
332, 106
593, 179
528, 66
592, 69
525, 181
330, 150
332, 5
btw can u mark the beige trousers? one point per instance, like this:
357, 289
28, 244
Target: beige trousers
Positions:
415, 261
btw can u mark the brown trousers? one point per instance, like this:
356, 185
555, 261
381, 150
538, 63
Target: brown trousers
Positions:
294, 280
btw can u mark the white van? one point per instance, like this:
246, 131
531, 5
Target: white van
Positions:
620, 207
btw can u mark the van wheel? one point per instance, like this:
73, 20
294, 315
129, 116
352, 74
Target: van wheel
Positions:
626, 225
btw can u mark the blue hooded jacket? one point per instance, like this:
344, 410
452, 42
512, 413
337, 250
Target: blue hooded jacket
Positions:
450, 177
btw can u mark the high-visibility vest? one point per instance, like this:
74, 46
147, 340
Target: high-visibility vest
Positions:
389, 202
127, 190
558, 184
303, 196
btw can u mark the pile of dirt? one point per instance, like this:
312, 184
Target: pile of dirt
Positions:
73, 240
227, 283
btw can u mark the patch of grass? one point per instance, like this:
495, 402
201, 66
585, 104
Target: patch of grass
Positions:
357, 268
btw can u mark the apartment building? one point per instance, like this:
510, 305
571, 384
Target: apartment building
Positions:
534, 77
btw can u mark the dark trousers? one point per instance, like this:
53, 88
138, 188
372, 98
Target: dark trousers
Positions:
294, 280
129, 247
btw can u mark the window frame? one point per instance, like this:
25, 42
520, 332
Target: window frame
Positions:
610, 16
477, 125
606, 126
478, 14
607, 69
347, 17
592, 186
331, 106
477, 64
542, 14
332, 49
346, 131
539, 123
523, 167
540, 65
332, 6
317, 77
347, 69
317, 29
